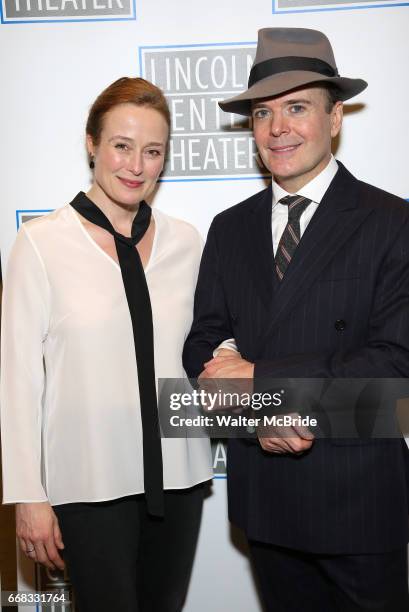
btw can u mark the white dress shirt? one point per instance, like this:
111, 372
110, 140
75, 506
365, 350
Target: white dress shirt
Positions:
314, 191
71, 422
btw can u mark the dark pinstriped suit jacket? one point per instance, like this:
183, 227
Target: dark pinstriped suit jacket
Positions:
352, 264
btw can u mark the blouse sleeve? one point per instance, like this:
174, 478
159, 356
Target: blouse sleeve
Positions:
24, 329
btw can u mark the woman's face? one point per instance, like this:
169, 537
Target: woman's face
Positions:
130, 154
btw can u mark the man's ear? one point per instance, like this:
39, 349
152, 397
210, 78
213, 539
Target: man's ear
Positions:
337, 114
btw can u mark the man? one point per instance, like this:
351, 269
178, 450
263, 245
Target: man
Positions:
310, 279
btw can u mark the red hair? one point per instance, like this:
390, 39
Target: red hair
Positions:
125, 90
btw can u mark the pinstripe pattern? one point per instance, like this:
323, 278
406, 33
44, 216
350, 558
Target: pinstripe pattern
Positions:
352, 264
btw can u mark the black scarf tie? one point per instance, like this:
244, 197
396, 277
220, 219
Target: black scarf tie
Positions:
137, 295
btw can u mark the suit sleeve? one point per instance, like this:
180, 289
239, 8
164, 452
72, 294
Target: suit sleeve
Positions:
211, 321
24, 328
385, 354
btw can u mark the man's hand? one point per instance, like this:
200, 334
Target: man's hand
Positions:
228, 364
39, 534
295, 439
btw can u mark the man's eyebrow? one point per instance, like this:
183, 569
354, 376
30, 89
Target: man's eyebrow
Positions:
298, 101
291, 101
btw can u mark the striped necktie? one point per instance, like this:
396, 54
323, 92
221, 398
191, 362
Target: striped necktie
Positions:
291, 234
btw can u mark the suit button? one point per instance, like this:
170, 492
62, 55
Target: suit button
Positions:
340, 325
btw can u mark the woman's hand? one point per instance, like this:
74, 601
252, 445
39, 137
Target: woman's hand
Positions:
39, 534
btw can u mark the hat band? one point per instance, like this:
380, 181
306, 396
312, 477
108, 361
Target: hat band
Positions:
287, 64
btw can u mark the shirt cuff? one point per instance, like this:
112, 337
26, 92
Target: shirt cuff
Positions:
230, 344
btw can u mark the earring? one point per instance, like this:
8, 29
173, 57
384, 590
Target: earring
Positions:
91, 163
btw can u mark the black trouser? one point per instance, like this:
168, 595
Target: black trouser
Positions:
121, 559
293, 581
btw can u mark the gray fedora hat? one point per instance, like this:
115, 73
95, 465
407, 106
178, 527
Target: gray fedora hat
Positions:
287, 58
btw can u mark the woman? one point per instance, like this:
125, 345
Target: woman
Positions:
87, 320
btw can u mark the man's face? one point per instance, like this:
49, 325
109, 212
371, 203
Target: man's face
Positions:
293, 133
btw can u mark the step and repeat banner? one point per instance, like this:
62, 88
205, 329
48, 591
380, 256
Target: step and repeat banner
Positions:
58, 55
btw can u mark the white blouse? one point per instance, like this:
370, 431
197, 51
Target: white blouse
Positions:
71, 423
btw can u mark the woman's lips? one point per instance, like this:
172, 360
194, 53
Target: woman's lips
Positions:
129, 183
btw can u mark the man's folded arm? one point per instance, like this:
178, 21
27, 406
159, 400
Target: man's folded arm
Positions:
211, 320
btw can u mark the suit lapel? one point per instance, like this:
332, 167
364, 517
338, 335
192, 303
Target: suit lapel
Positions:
336, 219
258, 243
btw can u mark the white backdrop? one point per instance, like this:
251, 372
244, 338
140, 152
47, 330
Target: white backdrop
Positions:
53, 70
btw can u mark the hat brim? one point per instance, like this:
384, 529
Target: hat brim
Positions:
281, 83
